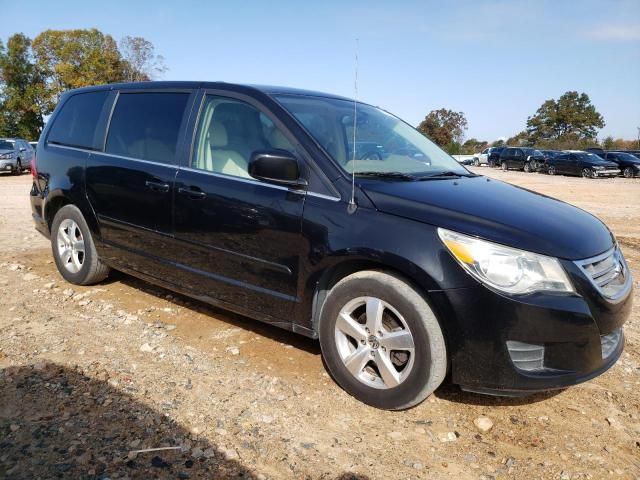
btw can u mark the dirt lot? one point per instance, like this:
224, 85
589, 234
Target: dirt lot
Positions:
90, 375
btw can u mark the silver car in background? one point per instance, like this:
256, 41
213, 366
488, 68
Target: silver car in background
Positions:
16, 155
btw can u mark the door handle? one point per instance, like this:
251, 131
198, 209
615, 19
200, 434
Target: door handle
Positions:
157, 186
195, 194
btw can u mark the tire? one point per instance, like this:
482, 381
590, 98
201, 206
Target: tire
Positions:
504, 166
587, 173
411, 375
491, 163
18, 169
527, 167
551, 170
80, 266
476, 162
628, 172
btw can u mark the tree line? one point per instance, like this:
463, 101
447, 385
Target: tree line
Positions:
570, 122
34, 73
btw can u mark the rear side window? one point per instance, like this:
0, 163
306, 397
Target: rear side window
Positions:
146, 126
75, 125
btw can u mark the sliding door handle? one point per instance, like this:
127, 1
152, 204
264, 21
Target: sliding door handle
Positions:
157, 186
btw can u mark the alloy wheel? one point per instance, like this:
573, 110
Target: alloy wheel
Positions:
504, 166
374, 342
551, 170
527, 167
587, 173
71, 247
628, 173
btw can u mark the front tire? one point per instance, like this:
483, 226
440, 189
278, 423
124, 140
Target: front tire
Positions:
74, 250
18, 168
587, 173
381, 341
476, 162
628, 172
527, 167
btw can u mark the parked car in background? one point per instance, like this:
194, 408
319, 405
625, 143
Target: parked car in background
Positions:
15, 155
589, 165
482, 158
628, 164
249, 198
494, 156
521, 158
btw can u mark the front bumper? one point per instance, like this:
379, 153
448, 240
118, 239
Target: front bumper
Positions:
506, 345
607, 173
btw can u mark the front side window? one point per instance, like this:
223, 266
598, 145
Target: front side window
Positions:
75, 125
146, 126
383, 143
228, 133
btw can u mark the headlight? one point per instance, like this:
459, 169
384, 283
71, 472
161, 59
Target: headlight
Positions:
597, 167
506, 269
6, 155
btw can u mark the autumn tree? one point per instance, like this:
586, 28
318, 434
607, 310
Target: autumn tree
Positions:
22, 90
472, 146
77, 58
445, 127
571, 118
141, 63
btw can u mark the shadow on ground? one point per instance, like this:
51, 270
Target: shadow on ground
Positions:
56, 422
453, 393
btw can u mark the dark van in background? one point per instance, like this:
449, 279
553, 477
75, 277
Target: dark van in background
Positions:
242, 197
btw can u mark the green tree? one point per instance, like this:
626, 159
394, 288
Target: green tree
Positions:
22, 88
498, 143
445, 127
472, 146
520, 139
571, 118
77, 58
141, 63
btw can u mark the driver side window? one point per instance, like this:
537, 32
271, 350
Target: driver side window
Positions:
228, 133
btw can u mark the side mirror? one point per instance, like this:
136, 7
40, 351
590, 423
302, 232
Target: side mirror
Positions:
276, 166
22, 149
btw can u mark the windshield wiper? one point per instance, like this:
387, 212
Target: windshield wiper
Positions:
444, 175
398, 175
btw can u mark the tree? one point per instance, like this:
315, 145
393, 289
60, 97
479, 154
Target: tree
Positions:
520, 139
22, 88
472, 146
498, 143
140, 60
445, 127
571, 118
77, 58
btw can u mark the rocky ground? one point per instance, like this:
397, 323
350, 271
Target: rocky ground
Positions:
93, 377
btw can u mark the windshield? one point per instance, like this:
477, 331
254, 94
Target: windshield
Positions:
383, 143
589, 157
6, 145
627, 156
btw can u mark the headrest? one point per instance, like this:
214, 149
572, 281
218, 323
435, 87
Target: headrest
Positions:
218, 135
278, 140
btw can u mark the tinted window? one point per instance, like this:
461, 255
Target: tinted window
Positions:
75, 125
146, 125
229, 132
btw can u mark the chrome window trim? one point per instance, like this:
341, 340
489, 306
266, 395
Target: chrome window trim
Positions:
197, 170
628, 281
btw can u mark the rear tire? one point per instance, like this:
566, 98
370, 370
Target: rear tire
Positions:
551, 170
18, 169
527, 167
381, 341
504, 166
74, 250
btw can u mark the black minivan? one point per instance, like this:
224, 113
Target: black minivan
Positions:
253, 199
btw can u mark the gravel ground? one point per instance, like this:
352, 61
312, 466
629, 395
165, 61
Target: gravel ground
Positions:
89, 376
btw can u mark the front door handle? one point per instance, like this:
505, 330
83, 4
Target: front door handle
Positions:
157, 186
195, 194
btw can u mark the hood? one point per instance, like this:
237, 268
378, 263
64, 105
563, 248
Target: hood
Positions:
603, 163
4, 150
495, 211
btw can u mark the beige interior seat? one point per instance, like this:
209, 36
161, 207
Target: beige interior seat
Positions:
220, 159
278, 140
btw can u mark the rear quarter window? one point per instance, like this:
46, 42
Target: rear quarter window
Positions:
75, 124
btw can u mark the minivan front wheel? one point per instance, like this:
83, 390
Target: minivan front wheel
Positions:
73, 249
381, 341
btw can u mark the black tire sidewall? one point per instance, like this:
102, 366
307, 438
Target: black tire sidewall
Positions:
72, 212
409, 389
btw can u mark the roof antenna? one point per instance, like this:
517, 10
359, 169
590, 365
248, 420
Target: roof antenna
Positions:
352, 203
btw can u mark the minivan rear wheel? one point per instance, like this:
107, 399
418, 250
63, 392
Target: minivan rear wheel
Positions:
381, 341
73, 248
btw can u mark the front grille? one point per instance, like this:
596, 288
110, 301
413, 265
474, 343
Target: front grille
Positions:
609, 342
526, 356
608, 273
